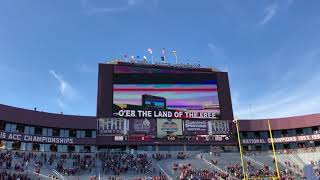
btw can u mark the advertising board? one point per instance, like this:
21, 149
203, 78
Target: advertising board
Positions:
169, 127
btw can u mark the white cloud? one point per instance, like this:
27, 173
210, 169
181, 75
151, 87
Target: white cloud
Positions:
61, 104
65, 89
298, 97
126, 5
273, 9
269, 12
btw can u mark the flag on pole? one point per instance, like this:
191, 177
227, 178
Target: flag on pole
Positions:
125, 57
174, 52
145, 59
163, 55
150, 52
132, 59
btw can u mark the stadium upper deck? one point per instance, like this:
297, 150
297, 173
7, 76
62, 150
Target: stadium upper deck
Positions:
288, 133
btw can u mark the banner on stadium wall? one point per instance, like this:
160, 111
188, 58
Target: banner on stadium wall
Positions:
218, 127
282, 139
112, 126
142, 126
195, 127
35, 138
169, 127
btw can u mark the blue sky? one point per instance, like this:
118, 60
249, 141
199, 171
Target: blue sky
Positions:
49, 50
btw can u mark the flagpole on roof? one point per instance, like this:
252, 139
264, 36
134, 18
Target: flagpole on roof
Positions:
151, 58
163, 56
150, 52
132, 59
174, 52
125, 57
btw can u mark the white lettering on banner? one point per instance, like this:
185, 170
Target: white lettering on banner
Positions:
254, 141
315, 136
32, 138
144, 113
178, 114
14, 137
195, 125
3, 135
282, 139
165, 114
200, 115
127, 113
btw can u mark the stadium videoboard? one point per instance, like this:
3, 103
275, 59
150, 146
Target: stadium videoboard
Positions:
146, 98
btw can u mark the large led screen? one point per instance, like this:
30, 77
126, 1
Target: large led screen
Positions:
194, 100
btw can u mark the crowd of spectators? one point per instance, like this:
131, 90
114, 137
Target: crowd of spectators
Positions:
122, 163
181, 155
20, 164
160, 156
14, 170
5, 175
254, 172
188, 172
160, 177
80, 164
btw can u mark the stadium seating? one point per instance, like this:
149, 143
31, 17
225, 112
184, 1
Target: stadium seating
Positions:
226, 166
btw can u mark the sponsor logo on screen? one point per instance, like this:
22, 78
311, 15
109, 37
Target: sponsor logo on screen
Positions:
195, 127
144, 125
169, 127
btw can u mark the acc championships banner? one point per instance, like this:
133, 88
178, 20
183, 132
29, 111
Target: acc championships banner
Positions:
34, 138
